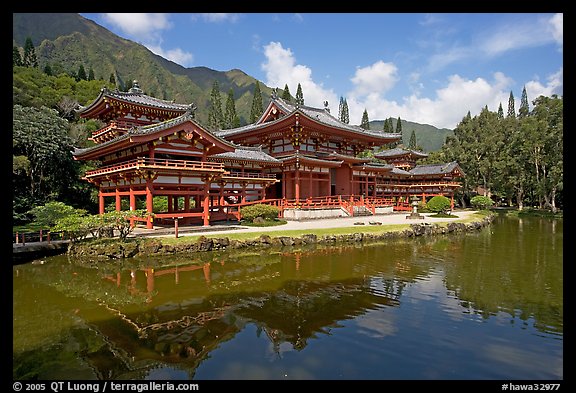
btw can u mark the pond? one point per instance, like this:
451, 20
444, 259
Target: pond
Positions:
483, 305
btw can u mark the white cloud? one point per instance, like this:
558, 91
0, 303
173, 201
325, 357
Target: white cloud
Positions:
142, 26
555, 85
147, 29
176, 55
376, 78
518, 35
446, 109
281, 68
557, 27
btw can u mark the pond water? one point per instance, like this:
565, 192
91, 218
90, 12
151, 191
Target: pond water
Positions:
483, 305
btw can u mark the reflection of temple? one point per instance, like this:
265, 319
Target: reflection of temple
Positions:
294, 157
182, 324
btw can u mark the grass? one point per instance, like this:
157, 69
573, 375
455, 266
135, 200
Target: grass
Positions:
266, 223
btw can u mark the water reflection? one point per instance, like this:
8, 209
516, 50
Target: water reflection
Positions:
370, 311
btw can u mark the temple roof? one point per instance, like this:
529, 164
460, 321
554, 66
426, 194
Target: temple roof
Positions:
243, 153
398, 152
319, 115
143, 130
436, 169
137, 97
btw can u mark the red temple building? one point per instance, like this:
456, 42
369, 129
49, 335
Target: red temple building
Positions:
299, 158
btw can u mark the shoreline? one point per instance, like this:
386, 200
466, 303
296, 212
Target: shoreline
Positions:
261, 238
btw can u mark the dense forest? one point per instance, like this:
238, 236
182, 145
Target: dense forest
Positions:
516, 159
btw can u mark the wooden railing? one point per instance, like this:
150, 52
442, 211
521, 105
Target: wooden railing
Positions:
158, 163
47, 236
250, 175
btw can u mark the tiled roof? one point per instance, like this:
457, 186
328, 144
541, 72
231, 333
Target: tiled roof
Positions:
435, 169
136, 96
247, 154
398, 151
323, 116
142, 130
318, 114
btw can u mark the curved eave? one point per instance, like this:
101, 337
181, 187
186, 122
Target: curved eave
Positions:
343, 131
99, 106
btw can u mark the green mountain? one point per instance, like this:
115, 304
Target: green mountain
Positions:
430, 138
65, 41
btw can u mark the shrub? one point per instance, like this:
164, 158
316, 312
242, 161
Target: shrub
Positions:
438, 204
481, 202
266, 212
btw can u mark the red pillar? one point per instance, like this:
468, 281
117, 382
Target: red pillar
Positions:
101, 207
149, 205
297, 185
206, 210
132, 199
118, 201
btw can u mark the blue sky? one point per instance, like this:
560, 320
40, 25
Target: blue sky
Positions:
427, 68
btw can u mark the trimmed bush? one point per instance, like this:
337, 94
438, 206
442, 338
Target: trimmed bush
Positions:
266, 212
438, 204
481, 202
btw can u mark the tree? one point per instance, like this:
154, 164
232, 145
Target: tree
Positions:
438, 204
481, 202
30, 59
41, 136
386, 126
365, 124
412, 145
215, 116
286, 96
399, 126
299, 95
500, 112
345, 118
340, 106
91, 74
16, 57
112, 79
257, 106
524, 108
231, 119
47, 215
48, 69
81, 76
511, 110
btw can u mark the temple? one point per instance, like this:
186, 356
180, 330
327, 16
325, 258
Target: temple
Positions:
299, 158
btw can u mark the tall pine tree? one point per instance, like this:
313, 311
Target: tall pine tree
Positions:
345, 118
81, 76
399, 126
257, 106
412, 144
500, 112
511, 110
91, 76
365, 121
299, 95
340, 108
386, 126
215, 116
30, 59
16, 57
231, 119
286, 96
524, 109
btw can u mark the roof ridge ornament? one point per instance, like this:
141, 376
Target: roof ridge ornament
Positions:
136, 88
